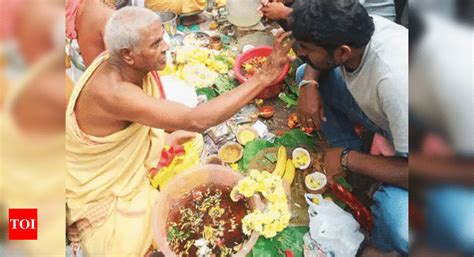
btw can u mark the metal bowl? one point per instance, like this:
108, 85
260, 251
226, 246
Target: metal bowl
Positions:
168, 20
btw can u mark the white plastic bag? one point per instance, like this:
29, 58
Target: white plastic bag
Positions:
335, 230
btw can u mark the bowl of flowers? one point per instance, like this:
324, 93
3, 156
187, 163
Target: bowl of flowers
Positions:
196, 216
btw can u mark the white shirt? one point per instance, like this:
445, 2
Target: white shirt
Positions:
380, 84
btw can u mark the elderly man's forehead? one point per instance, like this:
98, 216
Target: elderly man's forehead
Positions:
154, 28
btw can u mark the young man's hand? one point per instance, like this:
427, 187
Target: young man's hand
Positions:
332, 163
276, 11
310, 108
275, 63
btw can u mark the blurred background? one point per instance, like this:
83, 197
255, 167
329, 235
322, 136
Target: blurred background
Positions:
441, 128
32, 106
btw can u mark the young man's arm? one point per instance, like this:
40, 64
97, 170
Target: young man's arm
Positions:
310, 104
393, 170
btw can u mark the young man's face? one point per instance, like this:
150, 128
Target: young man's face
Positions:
318, 57
150, 53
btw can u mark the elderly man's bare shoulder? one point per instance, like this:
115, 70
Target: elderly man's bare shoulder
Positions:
104, 103
107, 89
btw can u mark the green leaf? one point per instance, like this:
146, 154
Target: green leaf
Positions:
294, 89
290, 238
343, 182
295, 138
207, 91
225, 83
250, 151
290, 101
272, 157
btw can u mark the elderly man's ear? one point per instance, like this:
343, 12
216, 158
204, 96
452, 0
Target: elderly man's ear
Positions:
127, 56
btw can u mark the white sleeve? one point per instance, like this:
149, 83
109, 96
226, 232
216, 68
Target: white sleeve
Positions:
393, 99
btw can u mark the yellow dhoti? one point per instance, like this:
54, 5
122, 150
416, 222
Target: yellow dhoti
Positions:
108, 195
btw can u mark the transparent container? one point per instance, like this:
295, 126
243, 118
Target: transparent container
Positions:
243, 13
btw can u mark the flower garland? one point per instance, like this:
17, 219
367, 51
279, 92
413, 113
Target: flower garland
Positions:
277, 215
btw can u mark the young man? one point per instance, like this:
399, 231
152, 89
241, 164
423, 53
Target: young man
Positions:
357, 71
115, 131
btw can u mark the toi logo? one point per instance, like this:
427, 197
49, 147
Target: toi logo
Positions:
22, 224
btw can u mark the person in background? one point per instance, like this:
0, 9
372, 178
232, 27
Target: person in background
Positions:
85, 22
176, 6
279, 10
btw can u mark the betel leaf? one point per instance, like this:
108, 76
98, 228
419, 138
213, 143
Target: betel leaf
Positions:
295, 138
291, 238
250, 151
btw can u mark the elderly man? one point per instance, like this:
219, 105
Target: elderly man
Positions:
357, 71
115, 131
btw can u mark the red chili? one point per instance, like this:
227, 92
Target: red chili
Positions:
289, 253
360, 212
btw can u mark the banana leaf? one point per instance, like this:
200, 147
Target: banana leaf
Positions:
295, 138
207, 91
290, 238
250, 151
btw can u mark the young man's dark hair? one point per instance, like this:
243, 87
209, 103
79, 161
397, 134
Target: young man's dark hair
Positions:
331, 23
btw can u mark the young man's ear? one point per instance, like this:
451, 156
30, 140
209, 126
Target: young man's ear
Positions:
127, 57
343, 53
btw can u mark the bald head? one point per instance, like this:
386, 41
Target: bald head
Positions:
123, 28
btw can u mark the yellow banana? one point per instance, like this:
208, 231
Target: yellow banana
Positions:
281, 162
289, 172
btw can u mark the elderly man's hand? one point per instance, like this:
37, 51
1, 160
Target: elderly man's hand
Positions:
332, 163
179, 137
272, 69
276, 11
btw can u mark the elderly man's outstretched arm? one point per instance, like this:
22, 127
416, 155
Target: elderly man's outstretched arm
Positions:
171, 116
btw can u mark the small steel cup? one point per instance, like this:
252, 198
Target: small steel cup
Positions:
168, 20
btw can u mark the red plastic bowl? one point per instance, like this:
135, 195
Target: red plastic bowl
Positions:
270, 91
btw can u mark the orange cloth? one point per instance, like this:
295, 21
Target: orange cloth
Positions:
10, 11
71, 13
